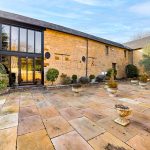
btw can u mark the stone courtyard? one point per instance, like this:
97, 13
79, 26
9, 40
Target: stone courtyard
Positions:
41, 119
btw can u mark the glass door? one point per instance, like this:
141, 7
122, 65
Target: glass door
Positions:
26, 70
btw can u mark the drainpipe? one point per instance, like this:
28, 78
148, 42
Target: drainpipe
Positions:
87, 58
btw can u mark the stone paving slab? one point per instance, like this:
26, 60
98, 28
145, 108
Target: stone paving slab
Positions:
140, 142
34, 141
107, 141
2, 101
70, 113
71, 141
30, 124
8, 139
26, 102
86, 128
48, 112
57, 126
8, 121
9, 110
122, 133
28, 111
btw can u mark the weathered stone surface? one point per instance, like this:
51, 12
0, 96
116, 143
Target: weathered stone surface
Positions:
56, 126
108, 140
28, 111
71, 141
34, 141
47, 112
26, 102
140, 142
7, 121
8, 139
30, 124
70, 113
86, 128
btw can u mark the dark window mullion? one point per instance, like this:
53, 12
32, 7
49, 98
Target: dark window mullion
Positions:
19, 39
34, 41
27, 69
27, 41
9, 38
34, 70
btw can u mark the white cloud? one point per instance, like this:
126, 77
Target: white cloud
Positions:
103, 3
142, 8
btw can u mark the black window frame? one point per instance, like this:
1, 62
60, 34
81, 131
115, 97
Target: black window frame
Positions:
106, 50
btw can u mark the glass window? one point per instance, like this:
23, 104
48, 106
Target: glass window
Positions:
30, 41
38, 70
106, 50
14, 38
125, 53
37, 42
23, 38
5, 37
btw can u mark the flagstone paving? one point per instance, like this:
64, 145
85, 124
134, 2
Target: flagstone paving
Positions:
59, 120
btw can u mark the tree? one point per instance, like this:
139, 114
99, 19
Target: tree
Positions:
145, 62
131, 71
52, 74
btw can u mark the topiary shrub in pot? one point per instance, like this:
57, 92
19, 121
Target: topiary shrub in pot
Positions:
84, 80
112, 86
109, 73
52, 75
74, 78
92, 77
143, 80
64, 79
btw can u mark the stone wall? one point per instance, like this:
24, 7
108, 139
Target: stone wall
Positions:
67, 50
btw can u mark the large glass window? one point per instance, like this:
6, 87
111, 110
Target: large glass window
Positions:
14, 38
30, 41
23, 39
37, 42
38, 70
5, 37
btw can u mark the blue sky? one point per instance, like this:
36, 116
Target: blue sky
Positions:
117, 20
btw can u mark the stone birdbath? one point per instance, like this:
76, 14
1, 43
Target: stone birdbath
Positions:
123, 112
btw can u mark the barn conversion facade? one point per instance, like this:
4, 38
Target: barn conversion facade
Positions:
29, 47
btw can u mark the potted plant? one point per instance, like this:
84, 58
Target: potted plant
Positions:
64, 79
123, 112
74, 78
143, 80
92, 78
52, 74
84, 80
77, 88
132, 72
112, 86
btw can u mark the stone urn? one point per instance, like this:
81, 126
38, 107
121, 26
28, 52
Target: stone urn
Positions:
112, 91
143, 84
134, 82
123, 112
77, 88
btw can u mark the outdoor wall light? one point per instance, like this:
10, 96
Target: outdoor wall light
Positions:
47, 55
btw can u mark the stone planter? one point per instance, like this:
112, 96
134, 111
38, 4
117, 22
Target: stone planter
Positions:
134, 82
143, 84
123, 112
77, 89
112, 91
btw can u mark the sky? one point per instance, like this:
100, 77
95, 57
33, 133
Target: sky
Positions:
116, 20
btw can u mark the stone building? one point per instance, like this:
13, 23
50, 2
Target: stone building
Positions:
29, 47
138, 46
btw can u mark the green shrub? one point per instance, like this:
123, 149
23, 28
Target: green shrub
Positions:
131, 71
91, 77
109, 71
74, 78
64, 79
52, 74
2, 69
84, 80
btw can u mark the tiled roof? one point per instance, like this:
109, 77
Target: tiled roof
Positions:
31, 21
138, 44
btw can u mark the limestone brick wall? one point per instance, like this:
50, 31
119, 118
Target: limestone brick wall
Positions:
67, 50
137, 56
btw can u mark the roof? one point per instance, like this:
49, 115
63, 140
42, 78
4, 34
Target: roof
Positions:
44, 24
138, 44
